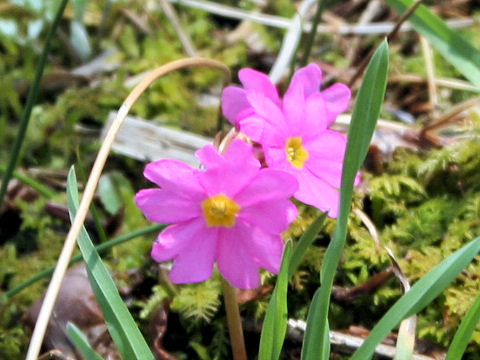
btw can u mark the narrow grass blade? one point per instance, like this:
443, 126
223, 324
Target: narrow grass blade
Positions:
464, 332
313, 32
304, 243
420, 295
365, 114
81, 343
275, 322
120, 323
316, 344
42, 189
454, 48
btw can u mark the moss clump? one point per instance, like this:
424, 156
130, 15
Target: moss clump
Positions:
426, 206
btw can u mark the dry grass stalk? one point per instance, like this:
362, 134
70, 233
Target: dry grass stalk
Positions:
89, 192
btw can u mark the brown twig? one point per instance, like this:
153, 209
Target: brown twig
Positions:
440, 82
348, 294
451, 114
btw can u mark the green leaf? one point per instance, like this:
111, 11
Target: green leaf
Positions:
454, 48
366, 111
464, 332
420, 295
81, 343
120, 323
275, 322
312, 347
304, 243
109, 196
364, 118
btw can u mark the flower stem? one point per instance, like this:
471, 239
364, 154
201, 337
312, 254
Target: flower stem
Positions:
234, 321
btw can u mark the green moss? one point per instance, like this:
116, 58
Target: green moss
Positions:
425, 206
12, 343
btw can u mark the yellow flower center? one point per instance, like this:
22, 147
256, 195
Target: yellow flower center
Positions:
296, 153
220, 210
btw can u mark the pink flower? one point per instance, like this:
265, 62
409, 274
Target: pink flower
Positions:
293, 131
232, 213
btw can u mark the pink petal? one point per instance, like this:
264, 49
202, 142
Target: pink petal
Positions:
252, 126
195, 262
234, 101
314, 191
265, 248
175, 176
272, 217
337, 97
257, 81
262, 131
294, 107
226, 180
329, 145
264, 107
276, 159
238, 169
175, 238
327, 170
316, 118
241, 154
269, 185
163, 206
292, 213
358, 179
237, 152
327, 152
330, 172
235, 263
209, 156
310, 77
274, 136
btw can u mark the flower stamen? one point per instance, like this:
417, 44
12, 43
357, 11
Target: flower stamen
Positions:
220, 210
296, 153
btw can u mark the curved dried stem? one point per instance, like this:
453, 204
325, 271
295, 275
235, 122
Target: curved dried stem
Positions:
89, 192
